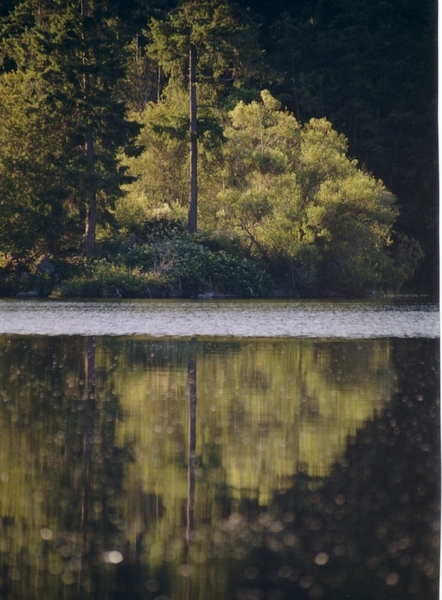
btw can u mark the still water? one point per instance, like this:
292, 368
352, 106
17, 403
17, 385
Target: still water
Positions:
218, 468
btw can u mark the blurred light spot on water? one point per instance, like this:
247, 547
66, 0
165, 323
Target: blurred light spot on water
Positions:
276, 527
306, 581
46, 533
285, 572
321, 558
290, 539
114, 557
316, 591
185, 570
392, 578
339, 550
152, 585
414, 587
55, 567
68, 578
14, 574
249, 594
251, 573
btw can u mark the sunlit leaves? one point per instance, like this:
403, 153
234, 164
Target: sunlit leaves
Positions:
303, 204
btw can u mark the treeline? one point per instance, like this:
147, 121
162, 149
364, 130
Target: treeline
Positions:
295, 120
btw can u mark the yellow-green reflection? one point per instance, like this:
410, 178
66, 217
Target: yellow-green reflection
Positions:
265, 411
96, 441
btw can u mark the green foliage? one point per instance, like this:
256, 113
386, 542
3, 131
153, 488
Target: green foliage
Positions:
162, 169
196, 269
13, 282
141, 82
214, 44
370, 67
407, 257
165, 262
102, 279
306, 209
73, 58
160, 227
163, 143
226, 40
290, 195
34, 195
281, 182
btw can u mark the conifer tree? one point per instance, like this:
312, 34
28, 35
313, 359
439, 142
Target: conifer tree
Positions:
202, 43
75, 52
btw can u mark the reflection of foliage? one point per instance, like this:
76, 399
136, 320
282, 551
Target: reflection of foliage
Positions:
64, 478
294, 400
94, 460
371, 529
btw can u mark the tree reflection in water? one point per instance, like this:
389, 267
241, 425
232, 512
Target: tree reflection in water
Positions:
312, 470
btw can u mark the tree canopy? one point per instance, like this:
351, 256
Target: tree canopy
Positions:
73, 59
329, 179
298, 202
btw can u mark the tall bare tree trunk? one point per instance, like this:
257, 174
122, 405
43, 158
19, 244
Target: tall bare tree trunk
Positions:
193, 199
91, 217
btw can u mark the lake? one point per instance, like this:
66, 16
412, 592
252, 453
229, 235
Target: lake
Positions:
217, 450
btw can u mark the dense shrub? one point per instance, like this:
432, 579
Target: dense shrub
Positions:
177, 266
106, 280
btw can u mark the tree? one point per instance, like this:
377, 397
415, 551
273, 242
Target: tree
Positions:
305, 207
370, 68
75, 54
160, 171
209, 40
33, 192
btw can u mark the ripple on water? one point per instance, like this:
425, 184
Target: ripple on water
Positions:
184, 318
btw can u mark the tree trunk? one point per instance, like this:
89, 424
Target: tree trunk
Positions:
193, 199
91, 217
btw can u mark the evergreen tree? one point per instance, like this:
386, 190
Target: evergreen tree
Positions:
212, 42
32, 189
75, 52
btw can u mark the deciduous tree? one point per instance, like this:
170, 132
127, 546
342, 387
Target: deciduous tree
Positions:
307, 208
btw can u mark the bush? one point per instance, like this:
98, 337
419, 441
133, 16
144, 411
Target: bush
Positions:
194, 268
106, 280
179, 266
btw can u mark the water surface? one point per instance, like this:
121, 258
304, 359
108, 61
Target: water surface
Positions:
184, 450
150, 469
180, 318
